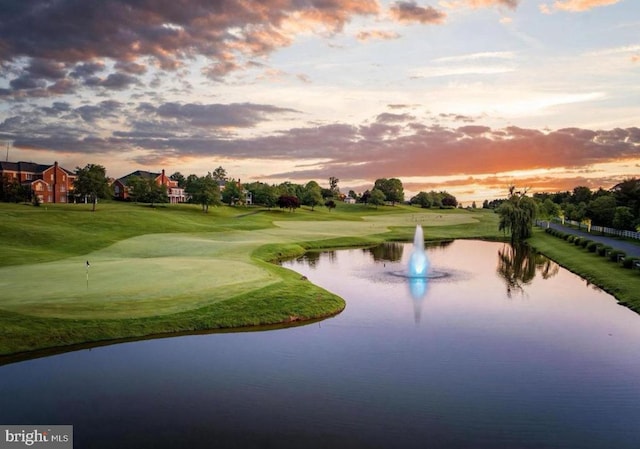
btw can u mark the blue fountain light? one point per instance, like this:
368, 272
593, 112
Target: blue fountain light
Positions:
418, 262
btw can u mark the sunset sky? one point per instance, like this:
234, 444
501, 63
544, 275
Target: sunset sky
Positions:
468, 96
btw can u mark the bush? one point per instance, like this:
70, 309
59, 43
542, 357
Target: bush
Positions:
602, 251
591, 246
570, 238
629, 262
577, 241
615, 254
567, 237
585, 242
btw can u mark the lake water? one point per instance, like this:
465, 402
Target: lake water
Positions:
500, 349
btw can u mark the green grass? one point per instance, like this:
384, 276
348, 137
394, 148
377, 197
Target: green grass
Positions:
621, 282
174, 269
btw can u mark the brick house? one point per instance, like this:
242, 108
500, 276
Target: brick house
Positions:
176, 194
50, 183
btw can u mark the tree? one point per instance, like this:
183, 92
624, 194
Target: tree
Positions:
623, 218
232, 193
353, 194
333, 186
377, 197
422, 199
548, 209
448, 200
627, 194
516, 215
179, 177
12, 191
219, 174
365, 197
263, 194
602, 210
312, 194
91, 181
392, 189
288, 202
581, 194
330, 205
147, 190
204, 191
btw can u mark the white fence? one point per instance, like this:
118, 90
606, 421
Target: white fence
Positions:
598, 229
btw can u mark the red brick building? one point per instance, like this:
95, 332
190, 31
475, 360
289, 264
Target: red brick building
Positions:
176, 194
50, 183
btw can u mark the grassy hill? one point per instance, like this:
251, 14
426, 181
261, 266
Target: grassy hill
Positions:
174, 269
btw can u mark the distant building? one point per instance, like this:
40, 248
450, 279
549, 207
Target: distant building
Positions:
350, 200
176, 194
50, 183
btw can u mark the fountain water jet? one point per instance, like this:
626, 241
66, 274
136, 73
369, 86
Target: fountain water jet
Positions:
418, 262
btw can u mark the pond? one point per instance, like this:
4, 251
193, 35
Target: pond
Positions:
499, 349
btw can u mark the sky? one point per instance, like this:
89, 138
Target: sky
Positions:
467, 96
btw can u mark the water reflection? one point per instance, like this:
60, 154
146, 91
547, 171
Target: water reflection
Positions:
388, 252
517, 265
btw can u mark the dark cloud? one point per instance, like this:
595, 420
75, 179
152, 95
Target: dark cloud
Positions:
47, 69
238, 115
104, 110
170, 32
87, 69
131, 67
387, 117
411, 12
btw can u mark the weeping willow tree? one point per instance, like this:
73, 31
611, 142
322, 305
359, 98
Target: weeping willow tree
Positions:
517, 214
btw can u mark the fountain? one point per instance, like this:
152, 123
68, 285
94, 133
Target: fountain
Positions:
418, 262
418, 272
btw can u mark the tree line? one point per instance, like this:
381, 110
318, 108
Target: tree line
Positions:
618, 207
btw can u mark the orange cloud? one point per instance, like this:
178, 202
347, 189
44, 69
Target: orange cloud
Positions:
576, 5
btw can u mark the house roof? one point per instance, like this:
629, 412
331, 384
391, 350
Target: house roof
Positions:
138, 173
29, 167
24, 167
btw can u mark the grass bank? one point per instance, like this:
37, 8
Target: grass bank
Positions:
623, 283
174, 269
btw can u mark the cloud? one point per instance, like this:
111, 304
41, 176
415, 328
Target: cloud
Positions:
377, 34
409, 12
217, 115
512, 4
390, 144
169, 33
575, 5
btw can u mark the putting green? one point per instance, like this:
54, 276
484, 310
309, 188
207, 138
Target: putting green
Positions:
159, 274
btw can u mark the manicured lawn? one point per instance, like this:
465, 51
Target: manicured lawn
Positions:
175, 269
623, 283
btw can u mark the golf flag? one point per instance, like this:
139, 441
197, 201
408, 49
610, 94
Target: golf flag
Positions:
88, 264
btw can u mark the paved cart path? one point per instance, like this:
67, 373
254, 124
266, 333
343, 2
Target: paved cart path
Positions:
632, 249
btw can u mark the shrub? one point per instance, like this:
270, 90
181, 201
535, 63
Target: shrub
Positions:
629, 262
591, 246
570, 238
585, 242
602, 251
567, 237
615, 254
577, 241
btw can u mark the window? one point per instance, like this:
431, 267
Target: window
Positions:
39, 187
29, 176
63, 189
